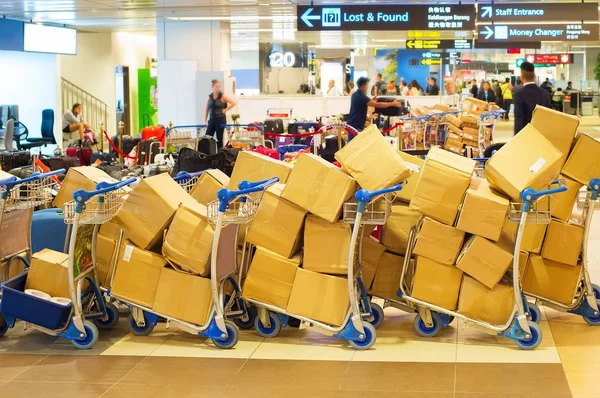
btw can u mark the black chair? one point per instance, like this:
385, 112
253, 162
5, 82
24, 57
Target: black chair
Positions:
24, 142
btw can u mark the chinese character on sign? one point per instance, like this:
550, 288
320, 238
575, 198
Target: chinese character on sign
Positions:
459, 24
448, 9
442, 24
430, 24
430, 9
436, 9
436, 25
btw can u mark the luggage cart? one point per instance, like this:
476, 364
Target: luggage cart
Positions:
245, 136
187, 180
438, 126
519, 327
587, 298
355, 329
232, 209
486, 123
79, 318
184, 136
413, 133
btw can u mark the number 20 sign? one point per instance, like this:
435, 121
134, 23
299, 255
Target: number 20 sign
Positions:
278, 59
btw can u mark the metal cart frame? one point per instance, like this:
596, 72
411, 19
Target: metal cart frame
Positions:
184, 136
245, 136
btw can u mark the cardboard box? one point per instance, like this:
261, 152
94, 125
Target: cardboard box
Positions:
526, 161
478, 302
105, 254
562, 206
137, 275
270, 277
278, 224
372, 161
209, 183
533, 236
551, 280
475, 106
415, 164
148, 209
582, 164
254, 167
319, 187
320, 297
326, 246
394, 234
454, 120
523, 259
15, 232
188, 242
111, 230
371, 252
436, 283
183, 296
486, 261
483, 211
85, 177
563, 242
438, 242
444, 179
387, 278
49, 272
558, 128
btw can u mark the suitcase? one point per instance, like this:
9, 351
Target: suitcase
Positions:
82, 153
274, 126
62, 162
157, 132
102, 157
128, 143
14, 159
193, 161
44, 221
147, 150
207, 145
331, 147
270, 152
392, 110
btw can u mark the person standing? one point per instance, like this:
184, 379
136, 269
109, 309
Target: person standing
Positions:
432, 87
474, 89
214, 116
507, 96
487, 94
350, 88
392, 89
379, 86
415, 88
527, 98
332, 90
517, 87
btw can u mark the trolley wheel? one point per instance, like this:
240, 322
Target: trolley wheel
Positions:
247, 320
534, 339
233, 335
91, 336
112, 317
535, 314
3, 326
270, 332
490, 150
425, 331
368, 339
137, 330
377, 313
591, 320
596, 289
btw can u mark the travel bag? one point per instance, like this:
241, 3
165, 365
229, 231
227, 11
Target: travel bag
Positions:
128, 143
231, 155
270, 152
102, 157
12, 159
147, 150
62, 162
207, 145
274, 126
193, 161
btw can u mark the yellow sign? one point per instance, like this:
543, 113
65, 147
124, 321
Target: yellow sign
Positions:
423, 44
424, 34
429, 61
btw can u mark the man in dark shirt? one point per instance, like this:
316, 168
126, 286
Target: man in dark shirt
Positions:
379, 88
359, 102
528, 97
432, 87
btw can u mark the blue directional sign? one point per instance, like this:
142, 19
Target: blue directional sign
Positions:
537, 33
533, 12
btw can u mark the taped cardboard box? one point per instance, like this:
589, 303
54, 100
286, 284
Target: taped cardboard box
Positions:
444, 179
137, 274
562, 205
455, 149
326, 246
470, 134
371, 252
49, 272
486, 261
111, 230
436, 283
523, 259
394, 234
320, 297
254, 167
582, 164
478, 302
148, 209
526, 161
278, 224
85, 178
453, 142
456, 130
319, 187
372, 161
105, 254
475, 106
454, 120
483, 211
387, 278
558, 128
469, 120
533, 236
438, 242
188, 242
208, 184
183, 296
270, 278
415, 164
563, 242
15, 235
551, 280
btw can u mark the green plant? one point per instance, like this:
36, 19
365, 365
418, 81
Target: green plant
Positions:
597, 67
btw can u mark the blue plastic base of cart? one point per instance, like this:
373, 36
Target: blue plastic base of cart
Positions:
71, 333
283, 319
213, 331
515, 332
399, 293
584, 310
10, 320
349, 333
446, 319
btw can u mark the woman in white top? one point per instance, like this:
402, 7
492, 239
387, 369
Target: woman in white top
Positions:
415, 88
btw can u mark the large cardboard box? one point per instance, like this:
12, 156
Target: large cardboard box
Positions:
483, 211
105, 255
15, 235
372, 161
371, 252
523, 259
475, 106
551, 280
49, 272
436, 283
320, 297
558, 128
278, 224
270, 278
319, 187
486, 261
528, 160
111, 230
533, 236
394, 234
438, 242
326, 246
148, 209
253, 167
183, 296
444, 179
478, 302
563, 242
562, 206
415, 164
582, 164
85, 178
387, 278
208, 184
137, 274
188, 241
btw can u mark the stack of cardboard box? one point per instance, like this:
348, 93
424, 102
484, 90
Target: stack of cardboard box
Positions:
463, 130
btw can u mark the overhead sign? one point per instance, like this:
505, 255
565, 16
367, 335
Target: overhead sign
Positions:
507, 45
431, 61
385, 17
550, 59
432, 44
519, 62
538, 12
536, 33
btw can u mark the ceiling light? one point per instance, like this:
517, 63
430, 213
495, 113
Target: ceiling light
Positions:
390, 40
330, 46
235, 18
264, 4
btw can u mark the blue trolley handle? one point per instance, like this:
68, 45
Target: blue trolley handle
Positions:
82, 196
530, 195
594, 186
364, 197
33, 177
225, 195
184, 175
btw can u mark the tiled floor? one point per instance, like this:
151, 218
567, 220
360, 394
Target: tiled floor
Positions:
459, 362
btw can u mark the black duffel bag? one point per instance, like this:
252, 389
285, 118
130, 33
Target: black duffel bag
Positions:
193, 161
231, 155
392, 110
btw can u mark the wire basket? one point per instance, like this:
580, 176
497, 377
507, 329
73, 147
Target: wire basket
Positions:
540, 214
185, 136
246, 137
188, 183
584, 198
376, 213
30, 194
97, 210
241, 210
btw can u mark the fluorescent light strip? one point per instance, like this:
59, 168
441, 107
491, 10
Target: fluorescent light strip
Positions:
278, 18
390, 41
349, 46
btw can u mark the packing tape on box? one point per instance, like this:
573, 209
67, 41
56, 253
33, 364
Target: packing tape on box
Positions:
38, 294
65, 302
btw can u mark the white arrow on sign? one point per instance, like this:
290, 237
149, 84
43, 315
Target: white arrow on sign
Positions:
488, 32
486, 11
306, 17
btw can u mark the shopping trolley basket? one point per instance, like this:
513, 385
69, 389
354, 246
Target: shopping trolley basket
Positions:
414, 133
186, 136
187, 180
245, 136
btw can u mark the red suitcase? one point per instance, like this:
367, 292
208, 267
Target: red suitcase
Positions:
82, 153
270, 152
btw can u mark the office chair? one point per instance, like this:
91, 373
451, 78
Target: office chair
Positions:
24, 142
7, 143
